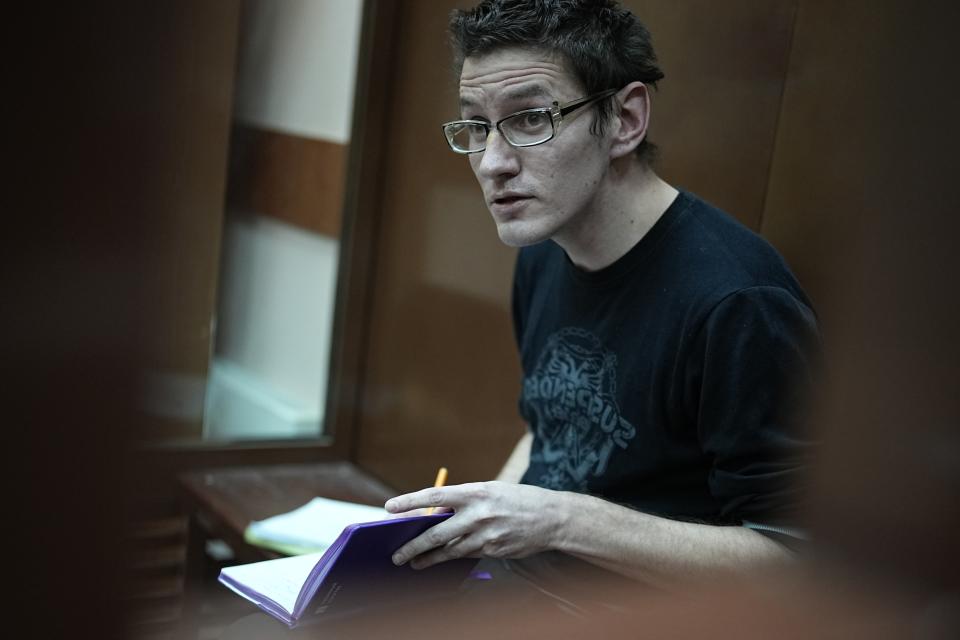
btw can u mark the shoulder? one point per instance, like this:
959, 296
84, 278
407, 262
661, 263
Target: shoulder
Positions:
762, 309
725, 257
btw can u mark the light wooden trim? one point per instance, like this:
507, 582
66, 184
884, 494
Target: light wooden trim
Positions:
295, 179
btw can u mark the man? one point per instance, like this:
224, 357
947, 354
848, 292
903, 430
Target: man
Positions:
665, 347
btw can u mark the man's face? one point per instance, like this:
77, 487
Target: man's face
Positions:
540, 192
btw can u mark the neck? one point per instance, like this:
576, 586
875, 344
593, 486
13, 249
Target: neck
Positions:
627, 205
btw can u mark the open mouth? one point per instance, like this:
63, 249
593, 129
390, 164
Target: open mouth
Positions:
510, 200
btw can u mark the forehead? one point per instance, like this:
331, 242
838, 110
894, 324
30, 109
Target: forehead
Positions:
515, 73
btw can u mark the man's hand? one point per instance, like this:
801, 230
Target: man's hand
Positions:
506, 520
491, 519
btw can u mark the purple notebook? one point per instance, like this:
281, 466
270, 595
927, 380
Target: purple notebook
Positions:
354, 574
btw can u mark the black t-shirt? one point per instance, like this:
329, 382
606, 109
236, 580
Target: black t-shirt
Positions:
671, 381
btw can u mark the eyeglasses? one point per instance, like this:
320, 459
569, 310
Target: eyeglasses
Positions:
525, 128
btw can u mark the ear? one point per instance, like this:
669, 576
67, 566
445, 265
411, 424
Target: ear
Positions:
630, 124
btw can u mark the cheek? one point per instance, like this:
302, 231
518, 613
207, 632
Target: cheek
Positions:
573, 176
474, 163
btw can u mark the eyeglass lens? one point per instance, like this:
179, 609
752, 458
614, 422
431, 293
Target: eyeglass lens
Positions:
467, 136
520, 129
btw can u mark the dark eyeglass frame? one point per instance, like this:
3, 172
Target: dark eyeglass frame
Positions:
556, 112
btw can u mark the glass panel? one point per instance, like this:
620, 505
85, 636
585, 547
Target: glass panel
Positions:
293, 107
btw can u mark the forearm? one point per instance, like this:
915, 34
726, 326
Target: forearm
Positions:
656, 550
518, 461
504, 520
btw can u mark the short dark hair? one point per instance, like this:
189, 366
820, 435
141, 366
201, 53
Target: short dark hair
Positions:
603, 44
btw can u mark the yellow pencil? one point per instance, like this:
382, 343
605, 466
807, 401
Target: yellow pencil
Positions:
439, 482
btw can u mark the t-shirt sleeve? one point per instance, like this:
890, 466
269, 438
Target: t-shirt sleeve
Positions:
754, 362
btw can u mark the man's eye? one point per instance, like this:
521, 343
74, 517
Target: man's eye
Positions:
533, 121
477, 132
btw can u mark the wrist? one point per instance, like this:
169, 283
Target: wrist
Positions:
564, 508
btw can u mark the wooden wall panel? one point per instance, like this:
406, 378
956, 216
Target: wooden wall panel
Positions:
183, 138
864, 197
442, 375
815, 201
714, 115
121, 115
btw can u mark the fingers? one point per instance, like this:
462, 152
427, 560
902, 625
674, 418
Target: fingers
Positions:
418, 512
407, 514
433, 497
436, 537
461, 547
452, 496
449, 539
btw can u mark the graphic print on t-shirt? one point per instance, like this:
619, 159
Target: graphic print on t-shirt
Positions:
570, 401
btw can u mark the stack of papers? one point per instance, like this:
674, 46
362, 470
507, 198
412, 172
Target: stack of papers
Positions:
311, 528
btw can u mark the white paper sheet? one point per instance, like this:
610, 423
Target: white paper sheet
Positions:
315, 525
280, 580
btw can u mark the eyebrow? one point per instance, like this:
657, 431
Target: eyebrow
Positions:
524, 92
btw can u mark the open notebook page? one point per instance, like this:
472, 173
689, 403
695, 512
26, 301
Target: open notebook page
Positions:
280, 580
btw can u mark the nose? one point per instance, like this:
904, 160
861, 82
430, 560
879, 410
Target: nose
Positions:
498, 159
